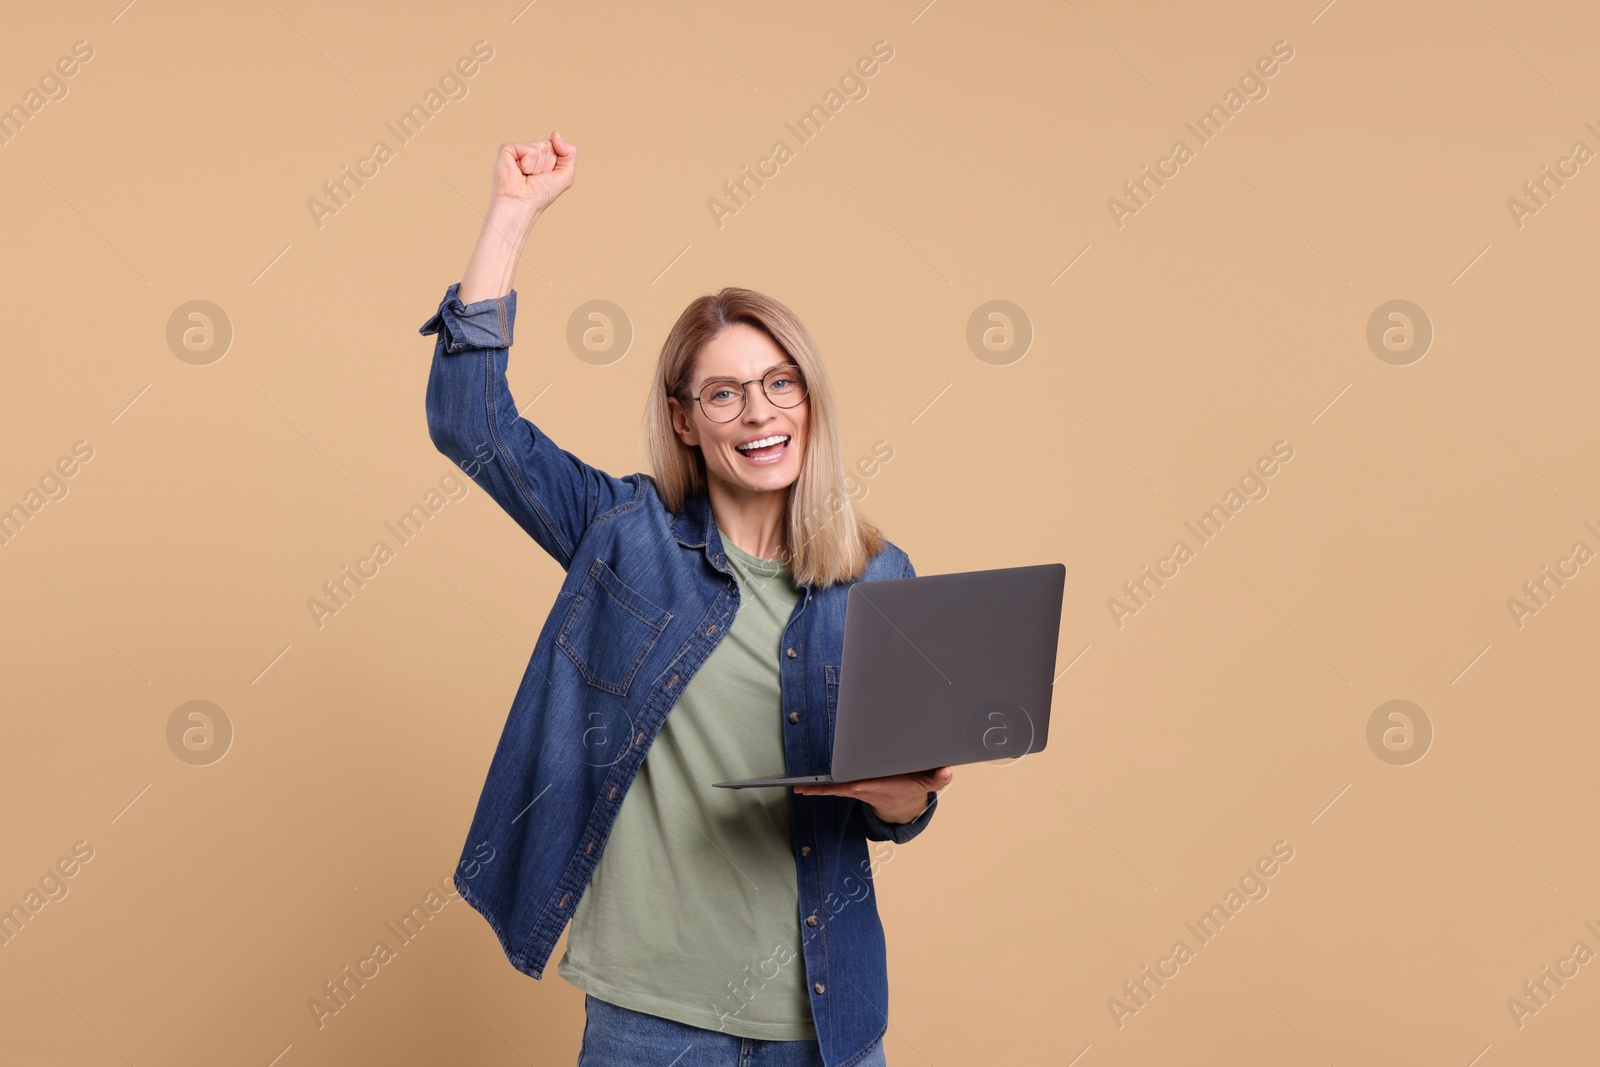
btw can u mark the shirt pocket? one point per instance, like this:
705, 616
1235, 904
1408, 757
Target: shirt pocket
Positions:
609, 629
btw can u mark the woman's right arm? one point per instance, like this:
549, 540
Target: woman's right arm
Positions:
472, 417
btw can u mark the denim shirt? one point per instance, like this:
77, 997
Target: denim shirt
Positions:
647, 595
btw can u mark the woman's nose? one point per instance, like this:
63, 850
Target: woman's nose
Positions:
757, 408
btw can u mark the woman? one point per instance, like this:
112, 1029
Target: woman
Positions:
708, 926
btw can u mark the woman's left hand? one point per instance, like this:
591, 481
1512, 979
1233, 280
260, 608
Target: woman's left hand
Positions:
894, 798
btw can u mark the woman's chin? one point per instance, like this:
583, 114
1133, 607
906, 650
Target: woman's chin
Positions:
771, 480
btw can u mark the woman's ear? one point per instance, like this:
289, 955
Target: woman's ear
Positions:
681, 423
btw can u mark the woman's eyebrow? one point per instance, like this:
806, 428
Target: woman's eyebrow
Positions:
731, 378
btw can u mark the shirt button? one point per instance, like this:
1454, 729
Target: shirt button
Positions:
820, 988
791, 653
805, 850
811, 920
794, 716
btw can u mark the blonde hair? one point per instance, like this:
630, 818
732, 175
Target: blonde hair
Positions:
827, 539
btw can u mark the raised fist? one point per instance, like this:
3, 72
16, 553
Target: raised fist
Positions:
535, 173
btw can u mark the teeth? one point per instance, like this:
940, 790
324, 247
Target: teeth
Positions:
763, 442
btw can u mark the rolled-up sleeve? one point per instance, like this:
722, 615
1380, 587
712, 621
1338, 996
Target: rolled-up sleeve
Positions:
481, 324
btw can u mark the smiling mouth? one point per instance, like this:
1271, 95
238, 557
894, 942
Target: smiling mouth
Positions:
768, 455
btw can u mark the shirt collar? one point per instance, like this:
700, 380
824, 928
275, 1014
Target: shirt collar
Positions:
695, 523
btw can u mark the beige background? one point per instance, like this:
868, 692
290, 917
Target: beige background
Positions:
1229, 313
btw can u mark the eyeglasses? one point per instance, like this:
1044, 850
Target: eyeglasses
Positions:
723, 399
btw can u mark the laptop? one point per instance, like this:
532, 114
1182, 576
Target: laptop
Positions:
940, 670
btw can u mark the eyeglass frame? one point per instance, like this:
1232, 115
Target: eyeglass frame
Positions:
744, 393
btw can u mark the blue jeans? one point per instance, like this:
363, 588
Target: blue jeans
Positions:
614, 1036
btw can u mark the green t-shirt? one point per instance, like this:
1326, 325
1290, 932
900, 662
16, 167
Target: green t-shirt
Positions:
692, 912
